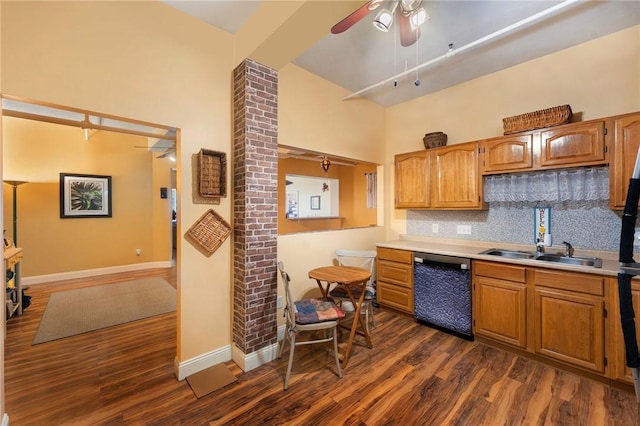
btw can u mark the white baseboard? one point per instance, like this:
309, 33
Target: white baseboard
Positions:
227, 353
39, 279
184, 369
248, 362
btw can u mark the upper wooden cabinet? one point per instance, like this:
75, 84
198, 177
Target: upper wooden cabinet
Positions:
625, 149
440, 178
412, 179
456, 182
507, 153
570, 145
576, 144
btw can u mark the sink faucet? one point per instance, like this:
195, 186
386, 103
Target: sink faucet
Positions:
540, 247
568, 251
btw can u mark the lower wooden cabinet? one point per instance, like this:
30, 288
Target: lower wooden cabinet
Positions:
555, 315
620, 371
500, 302
395, 279
569, 318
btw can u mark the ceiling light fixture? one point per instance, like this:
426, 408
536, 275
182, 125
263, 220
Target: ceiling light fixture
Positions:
325, 164
418, 17
384, 18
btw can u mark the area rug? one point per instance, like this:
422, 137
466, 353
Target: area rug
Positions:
87, 309
206, 381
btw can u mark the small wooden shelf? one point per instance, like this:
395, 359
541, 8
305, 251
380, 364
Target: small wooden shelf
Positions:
315, 218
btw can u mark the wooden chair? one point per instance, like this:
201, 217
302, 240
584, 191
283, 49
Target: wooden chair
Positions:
308, 315
365, 259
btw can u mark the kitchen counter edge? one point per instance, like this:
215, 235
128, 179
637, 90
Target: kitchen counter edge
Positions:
471, 249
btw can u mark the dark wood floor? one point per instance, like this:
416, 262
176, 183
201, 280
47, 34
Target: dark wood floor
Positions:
413, 376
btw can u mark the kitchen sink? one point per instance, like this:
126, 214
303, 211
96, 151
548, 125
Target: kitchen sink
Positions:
545, 257
513, 254
573, 260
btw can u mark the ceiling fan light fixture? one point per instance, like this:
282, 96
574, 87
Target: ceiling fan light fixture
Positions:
418, 17
383, 20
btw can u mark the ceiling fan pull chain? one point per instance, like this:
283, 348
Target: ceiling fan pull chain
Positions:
395, 58
417, 82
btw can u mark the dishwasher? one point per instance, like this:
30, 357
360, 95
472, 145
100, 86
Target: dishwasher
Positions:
442, 293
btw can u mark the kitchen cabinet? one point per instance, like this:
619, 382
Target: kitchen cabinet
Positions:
620, 371
412, 179
395, 279
626, 142
507, 154
456, 182
569, 318
500, 302
575, 144
570, 145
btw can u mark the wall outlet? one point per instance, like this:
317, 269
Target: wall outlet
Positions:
464, 229
279, 302
138, 252
434, 228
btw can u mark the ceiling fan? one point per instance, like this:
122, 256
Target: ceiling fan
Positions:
409, 14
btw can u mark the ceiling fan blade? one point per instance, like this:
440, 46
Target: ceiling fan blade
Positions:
408, 36
355, 17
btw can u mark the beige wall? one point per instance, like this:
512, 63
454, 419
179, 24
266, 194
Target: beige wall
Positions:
312, 116
598, 79
146, 61
38, 152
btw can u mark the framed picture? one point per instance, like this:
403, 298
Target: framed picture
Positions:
84, 196
315, 202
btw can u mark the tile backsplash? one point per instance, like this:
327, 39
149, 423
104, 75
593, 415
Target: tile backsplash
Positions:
586, 225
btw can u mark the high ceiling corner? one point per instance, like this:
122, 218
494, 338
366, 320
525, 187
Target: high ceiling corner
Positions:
280, 31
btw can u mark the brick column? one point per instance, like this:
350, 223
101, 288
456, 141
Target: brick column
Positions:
255, 170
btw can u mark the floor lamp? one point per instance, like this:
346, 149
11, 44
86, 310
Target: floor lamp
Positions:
15, 184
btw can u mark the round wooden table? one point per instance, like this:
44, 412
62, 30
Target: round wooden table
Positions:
348, 277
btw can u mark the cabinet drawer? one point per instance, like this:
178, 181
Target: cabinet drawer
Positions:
402, 256
394, 296
500, 270
581, 283
396, 273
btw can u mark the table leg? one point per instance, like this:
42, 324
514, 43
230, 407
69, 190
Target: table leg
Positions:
357, 319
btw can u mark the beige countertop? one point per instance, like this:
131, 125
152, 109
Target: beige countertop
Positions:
471, 249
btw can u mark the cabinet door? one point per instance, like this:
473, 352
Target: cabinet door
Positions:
573, 145
626, 143
412, 180
506, 154
620, 370
500, 310
395, 296
570, 328
455, 179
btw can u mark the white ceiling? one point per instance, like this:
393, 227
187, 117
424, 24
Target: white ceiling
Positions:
363, 56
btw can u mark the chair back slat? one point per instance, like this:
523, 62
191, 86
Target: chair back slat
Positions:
289, 306
361, 258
